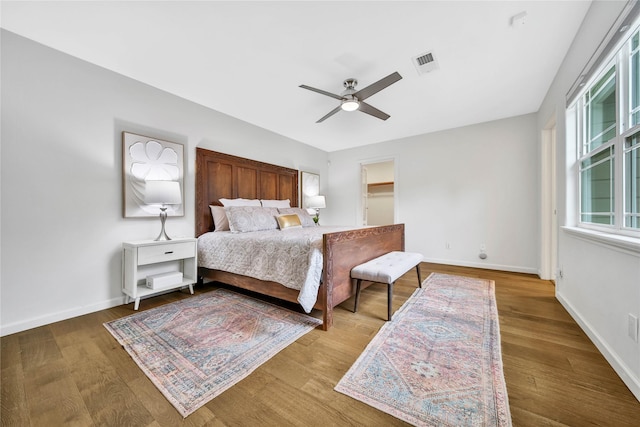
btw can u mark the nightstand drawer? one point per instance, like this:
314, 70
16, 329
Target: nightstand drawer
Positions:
165, 252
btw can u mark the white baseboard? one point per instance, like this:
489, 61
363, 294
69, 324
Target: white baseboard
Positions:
484, 265
35, 322
623, 371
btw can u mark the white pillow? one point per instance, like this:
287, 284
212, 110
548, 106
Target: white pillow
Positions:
240, 202
243, 219
276, 203
305, 218
220, 221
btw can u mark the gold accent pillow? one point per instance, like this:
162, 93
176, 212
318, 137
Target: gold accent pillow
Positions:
305, 219
288, 221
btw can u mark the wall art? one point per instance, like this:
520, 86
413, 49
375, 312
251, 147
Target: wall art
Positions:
309, 186
145, 158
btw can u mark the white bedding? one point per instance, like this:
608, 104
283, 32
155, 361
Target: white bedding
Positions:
291, 257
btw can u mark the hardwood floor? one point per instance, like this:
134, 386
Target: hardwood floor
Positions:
74, 373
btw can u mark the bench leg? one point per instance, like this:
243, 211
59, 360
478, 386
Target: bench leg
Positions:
355, 306
389, 301
419, 277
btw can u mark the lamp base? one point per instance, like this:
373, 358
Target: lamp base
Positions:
163, 218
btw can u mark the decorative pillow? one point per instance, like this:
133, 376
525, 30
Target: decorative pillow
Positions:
276, 203
220, 221
288, 221
305, 219
251, 218
240, 202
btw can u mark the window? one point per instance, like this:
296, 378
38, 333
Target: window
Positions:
597, 164
632, 180
600, 112
597, 195
608, 134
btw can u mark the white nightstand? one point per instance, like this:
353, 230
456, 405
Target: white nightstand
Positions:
149, 257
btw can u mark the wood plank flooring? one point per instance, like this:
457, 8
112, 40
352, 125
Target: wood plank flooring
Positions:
73, 373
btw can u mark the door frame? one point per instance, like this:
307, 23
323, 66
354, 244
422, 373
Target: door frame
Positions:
548, 205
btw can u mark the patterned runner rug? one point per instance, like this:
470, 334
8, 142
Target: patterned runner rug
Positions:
438, 363
195, 349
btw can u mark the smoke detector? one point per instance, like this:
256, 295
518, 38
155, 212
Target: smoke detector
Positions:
425, 62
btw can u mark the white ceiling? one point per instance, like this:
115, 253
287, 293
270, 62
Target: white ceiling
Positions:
247, 59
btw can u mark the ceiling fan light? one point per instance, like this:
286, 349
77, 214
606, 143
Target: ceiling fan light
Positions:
350, 105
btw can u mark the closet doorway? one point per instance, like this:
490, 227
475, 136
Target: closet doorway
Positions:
378, 192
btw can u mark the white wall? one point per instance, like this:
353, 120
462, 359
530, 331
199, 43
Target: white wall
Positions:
62, 225
600, 283
463, 187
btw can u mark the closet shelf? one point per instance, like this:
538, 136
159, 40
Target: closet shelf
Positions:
380, 184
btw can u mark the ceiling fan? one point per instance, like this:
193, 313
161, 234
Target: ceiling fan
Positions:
352, 99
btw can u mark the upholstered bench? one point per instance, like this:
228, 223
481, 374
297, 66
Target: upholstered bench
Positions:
386, 269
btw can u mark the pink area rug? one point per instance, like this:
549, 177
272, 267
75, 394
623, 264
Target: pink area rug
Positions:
195, 349
438, 363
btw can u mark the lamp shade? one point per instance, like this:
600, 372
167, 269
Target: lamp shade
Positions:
162, 192
316, 202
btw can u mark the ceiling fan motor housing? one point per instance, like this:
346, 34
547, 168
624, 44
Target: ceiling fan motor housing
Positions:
350, 102
350, 84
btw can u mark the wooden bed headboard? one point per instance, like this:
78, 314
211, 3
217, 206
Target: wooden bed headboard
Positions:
221, 176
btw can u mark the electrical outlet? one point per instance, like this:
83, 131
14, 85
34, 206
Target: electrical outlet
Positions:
633, 327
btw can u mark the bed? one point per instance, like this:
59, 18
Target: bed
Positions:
223, 176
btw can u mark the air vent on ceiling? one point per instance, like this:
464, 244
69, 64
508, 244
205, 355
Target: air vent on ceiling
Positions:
425, 63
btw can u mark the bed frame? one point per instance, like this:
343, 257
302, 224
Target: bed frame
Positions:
221, 175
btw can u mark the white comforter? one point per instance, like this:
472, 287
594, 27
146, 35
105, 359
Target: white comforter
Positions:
291, 257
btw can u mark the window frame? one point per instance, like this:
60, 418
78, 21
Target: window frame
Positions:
630, 149
622, 61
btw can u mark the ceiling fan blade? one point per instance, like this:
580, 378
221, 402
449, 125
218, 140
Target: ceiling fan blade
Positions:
376, 87
331, 113
366, 108
323, 92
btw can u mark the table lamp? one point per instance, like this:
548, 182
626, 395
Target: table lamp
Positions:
162, 193
317, 203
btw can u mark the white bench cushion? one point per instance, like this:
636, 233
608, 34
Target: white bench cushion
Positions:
386, 268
